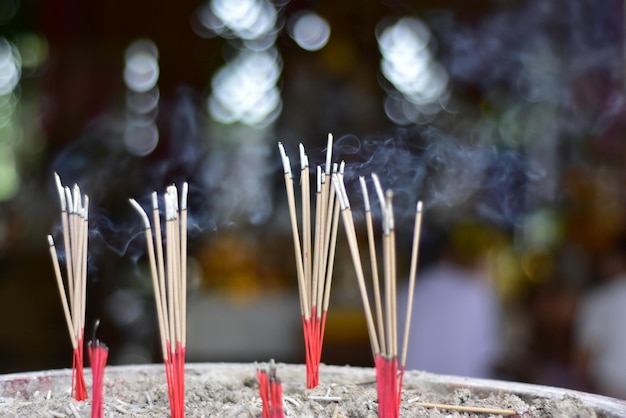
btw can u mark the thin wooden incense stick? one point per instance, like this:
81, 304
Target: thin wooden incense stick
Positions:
153, 274
411, 290
356, 259
314, 247
294, 228
73, 290
462, 408
168, 272
306, 217
373, 258
61, 287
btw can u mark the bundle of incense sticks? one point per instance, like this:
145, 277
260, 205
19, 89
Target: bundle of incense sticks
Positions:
271, 392
314, 251
98, 354
169, 278
384, 334
74, 219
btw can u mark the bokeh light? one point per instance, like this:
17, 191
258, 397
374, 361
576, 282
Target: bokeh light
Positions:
10, 66
244, 19
408, 64
245, 89
309, 30
141, 136
8, 9
143, 102
141, 71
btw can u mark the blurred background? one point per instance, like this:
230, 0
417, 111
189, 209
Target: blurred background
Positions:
505, 117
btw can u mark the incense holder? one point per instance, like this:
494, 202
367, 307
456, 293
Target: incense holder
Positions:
231, 390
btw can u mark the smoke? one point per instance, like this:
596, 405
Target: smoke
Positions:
110, 174
450, 176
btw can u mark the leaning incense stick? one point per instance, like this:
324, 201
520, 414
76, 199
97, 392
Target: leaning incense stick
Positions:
373, 259
57, 273
73, 290
168, 272
153, 274
356, 258
460, 408
412, 275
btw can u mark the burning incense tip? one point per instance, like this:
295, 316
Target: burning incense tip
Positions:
319, 179
76, 199
141, 212
343, 204
169, 207
284, 159
86, 207
183, 198
304, 160
419, 206
50, 240
390, 217
155, 200
68, 198
61, 192
342, 167
329, 152
366, 198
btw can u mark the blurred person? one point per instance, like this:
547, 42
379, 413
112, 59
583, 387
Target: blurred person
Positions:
455, 318
600, 331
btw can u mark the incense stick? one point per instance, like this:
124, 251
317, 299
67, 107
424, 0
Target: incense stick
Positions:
168, 272
98, 354
294, 228
57, 273
412, 275
314, 250
373, 259
356, 258
388, 381
270, 392
460, 408
74, 220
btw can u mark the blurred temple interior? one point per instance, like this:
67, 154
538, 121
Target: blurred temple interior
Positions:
506, 118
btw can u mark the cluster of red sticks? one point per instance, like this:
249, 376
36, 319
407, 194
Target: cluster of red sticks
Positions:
74, 209
98, 354
271, 392
315, 256
169, 280
383, 335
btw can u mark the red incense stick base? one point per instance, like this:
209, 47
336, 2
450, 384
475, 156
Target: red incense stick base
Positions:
98, 354
387, 386
79, 389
